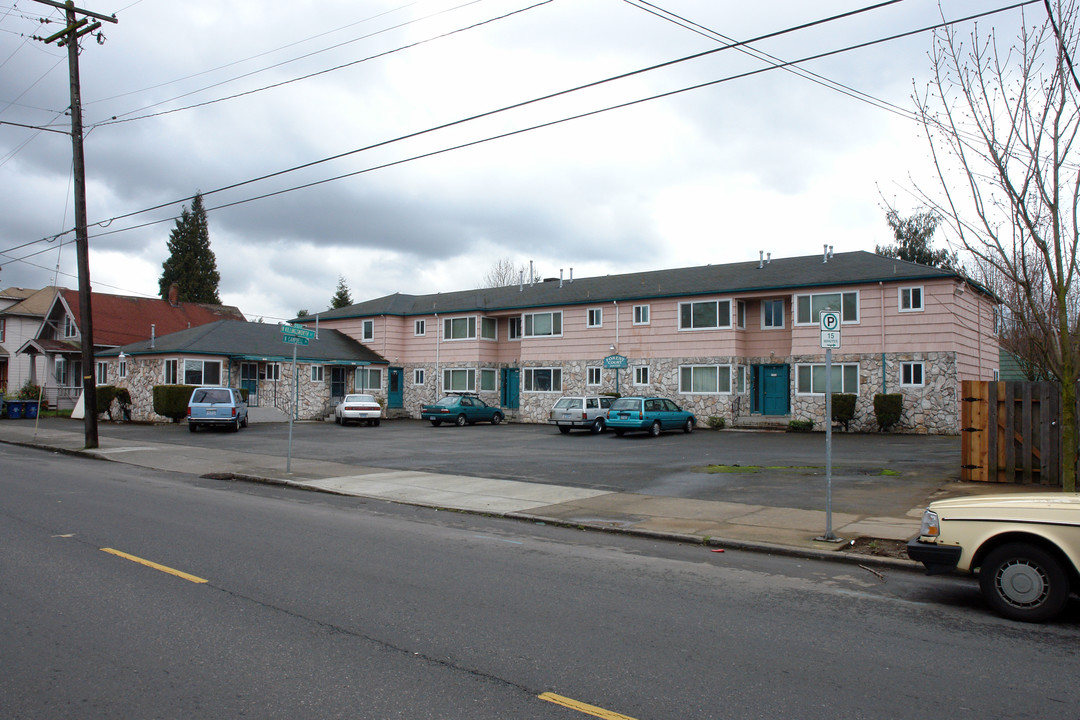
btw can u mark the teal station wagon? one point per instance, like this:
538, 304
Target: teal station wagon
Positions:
651, 414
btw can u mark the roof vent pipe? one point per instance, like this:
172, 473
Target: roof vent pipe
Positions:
760, 259
560, 278
521, 281
825, 253
830, 252
532, 274
768, 258
571, 275
153, 332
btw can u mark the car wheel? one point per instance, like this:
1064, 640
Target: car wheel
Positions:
235, 427
436, 423
337, 419
620, 432
598, 426
564, 429
496, 418
191, 426
460, 420
688, 427
1024, 582
244, 422
654, 429
376, 423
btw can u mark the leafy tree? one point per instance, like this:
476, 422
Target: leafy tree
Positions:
1003, 125
302, 313
913, 238
342, 298
191, 264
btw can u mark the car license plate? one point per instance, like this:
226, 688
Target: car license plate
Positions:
623, 416
211, 411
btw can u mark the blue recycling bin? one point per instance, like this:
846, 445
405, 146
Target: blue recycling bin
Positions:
14, 409
30, 408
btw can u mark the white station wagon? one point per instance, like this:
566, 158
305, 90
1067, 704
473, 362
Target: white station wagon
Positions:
1024, 548
583, 412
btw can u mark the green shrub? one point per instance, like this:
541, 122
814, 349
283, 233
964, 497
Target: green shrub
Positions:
107, 393
801, 426
29, 391
716, 422
843, 408
172, 400
887, 409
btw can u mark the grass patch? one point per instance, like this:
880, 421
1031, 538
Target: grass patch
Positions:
889, 473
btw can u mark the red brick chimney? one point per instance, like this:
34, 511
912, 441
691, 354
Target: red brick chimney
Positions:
174, 295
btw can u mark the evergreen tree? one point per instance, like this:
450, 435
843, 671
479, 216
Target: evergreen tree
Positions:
913, 236
342, 298
191, 264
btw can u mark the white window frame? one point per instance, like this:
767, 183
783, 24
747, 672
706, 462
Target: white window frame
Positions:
418, 376
202, 372
740, 314
783, 314
594, 317
529, 324
641, 375
470, 328
493, 375
419, 328
907, 373
318, 375
530, 384
172, 378
844, 320
273, 372
842, 367
367, 332
514, 328
452, 372
121, 369
362, 382
705, 368
910, 305
493, 323
741, 372
594, 375
70, 329
102, 374
641, 315
720, 315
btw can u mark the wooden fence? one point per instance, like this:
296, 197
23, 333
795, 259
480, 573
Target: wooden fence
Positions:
1011, 432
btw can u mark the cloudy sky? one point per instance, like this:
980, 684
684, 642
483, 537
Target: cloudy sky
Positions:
429, 151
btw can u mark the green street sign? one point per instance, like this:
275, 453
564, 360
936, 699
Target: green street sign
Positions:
297, 331
294, 340
615, 362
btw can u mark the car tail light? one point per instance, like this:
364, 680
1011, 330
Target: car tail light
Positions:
189, 412
234, 412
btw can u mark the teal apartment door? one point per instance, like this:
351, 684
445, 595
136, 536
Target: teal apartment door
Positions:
395, 394
510, 390
775, 399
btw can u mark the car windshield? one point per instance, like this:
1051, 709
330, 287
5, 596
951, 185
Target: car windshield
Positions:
211, 395
359, 398
626, 404
568, 404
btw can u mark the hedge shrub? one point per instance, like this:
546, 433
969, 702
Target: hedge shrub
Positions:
716, 422
172, 400
107, 393
843, 408
801, 426
887, 409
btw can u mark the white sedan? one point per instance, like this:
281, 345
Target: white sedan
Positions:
358, 408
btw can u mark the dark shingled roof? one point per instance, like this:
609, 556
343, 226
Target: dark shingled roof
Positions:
252, 340
782, 275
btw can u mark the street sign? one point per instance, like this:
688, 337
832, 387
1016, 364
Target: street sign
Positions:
830, 328
294, 340
615, 362
297, 331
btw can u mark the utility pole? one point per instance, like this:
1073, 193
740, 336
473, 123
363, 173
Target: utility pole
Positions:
76, 28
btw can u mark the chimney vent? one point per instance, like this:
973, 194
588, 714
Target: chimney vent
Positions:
560, 278
760, 259
153, 333
174, 295
825, 253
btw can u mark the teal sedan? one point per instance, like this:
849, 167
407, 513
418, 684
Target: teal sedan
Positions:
651, 414
461, 409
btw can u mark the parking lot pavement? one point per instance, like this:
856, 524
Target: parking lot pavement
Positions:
747, 487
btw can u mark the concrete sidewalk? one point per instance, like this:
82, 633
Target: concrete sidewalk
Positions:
726, 524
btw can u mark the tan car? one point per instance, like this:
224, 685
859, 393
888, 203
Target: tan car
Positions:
1024, 548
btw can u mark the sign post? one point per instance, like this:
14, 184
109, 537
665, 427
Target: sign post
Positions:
830, 338
294, 335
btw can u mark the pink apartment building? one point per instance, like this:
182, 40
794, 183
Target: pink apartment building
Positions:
741, 341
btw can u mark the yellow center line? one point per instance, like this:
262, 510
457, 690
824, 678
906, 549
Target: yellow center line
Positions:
583, 707
154, 565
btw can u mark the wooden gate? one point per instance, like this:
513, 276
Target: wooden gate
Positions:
1011, 432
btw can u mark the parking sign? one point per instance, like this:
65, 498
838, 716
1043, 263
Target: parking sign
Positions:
830, 328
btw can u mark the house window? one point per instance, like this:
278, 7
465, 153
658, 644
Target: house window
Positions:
489, 328
459, 380
70, 330
420, 328
459, 328
122, 369
543, 379
202, 372
487, 380
172, 372
707, 315
368, 332
102, 373
911, 299
367, 379
810, 379
705, 379
418, 376
809, 307
317, 373
641, 375
595, 318
594, 376
740, 379
546, 324
641, 314
740, 314
911, 374
272, 372
3, 329
772, 313
60, 371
